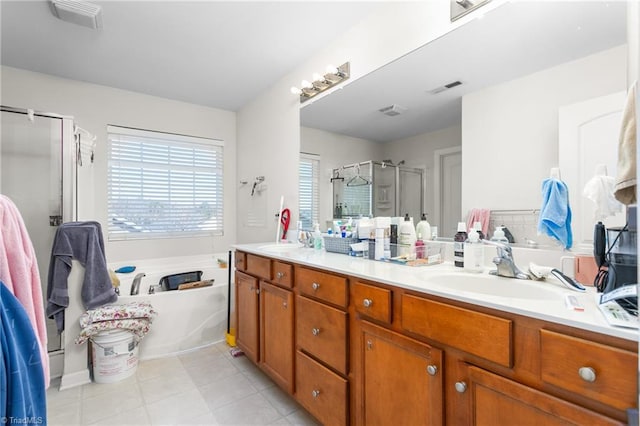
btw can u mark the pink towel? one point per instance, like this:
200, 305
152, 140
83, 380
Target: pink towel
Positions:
19, 272
479, 215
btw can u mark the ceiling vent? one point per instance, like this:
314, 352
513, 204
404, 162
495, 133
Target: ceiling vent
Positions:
392, 110
445, 87
77, 12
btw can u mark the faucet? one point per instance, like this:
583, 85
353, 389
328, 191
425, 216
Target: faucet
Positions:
305, 238
135, 285
506, 266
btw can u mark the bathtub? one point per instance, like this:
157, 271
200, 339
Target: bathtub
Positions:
187, 319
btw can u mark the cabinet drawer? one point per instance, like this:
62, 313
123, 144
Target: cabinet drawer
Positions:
328, 287
566, 359
282, 274
259, 266
486, 336
322, 332
322, 392
373, 302
241, 261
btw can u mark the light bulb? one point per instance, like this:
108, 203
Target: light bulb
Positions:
295, 90
317, 77
306, 85
331, 69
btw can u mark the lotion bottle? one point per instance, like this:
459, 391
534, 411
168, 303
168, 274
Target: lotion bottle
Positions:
474, 253
423, 228
406, 237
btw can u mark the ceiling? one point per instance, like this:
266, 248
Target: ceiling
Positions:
512, 40
215, 53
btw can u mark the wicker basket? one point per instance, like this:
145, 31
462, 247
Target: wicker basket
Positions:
339, 245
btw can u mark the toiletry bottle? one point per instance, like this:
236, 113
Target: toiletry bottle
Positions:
420, 248
387, 243
317, 237
478, 228
458, 245
379, 248
372, 245
499, 236
423, 228
406, 237
393, 240
473, 253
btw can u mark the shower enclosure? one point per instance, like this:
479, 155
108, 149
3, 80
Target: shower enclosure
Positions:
37, 172
373, 188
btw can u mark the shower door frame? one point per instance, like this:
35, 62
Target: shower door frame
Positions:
69, 202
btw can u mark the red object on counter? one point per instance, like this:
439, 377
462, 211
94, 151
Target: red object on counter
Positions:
285, 217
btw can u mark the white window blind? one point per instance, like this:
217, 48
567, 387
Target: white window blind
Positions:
162, 185
308, 191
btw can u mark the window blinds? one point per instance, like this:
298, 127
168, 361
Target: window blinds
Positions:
163, 185
308, 192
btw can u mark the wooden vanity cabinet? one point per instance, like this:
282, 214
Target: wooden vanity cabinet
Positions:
247, 315
264, 316
276, 334
402, 379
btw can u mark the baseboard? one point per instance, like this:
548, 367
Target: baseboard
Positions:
72, 380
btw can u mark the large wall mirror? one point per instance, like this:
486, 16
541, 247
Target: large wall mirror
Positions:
464, 108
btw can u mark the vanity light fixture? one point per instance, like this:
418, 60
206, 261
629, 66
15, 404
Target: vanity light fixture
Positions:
332, 77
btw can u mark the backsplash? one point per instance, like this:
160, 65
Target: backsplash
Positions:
523, 225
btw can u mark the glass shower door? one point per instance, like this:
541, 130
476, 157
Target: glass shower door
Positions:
31, 171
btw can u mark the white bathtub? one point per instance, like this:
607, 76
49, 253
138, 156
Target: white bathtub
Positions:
187, 319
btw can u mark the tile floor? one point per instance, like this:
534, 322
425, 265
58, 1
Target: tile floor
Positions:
203, 387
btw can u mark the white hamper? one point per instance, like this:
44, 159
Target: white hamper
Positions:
115, 355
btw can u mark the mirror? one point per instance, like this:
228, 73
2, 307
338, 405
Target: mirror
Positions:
430, 127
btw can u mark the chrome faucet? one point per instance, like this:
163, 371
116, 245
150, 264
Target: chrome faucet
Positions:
305, 238
506, 266
135, 285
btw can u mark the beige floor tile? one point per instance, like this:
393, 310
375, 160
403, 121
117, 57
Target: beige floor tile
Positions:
280, 400
302, 418
108, 404
92, 390
64, 415
226, 391
178, 409
252, 410
153, 368
164, 386
212, 371
257, 378
136, 416
58, 398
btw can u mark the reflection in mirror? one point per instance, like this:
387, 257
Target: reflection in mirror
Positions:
472, 90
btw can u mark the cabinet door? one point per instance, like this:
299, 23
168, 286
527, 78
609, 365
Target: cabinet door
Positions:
496, 400
276, 332
247, 319
401, 380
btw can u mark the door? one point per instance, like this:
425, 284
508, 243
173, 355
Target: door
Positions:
247, 315
276, 326
499, 401
31, 175
401, 380
412, 193
447, 190
588, 140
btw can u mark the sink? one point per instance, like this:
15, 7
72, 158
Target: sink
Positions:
280, 248
491, 285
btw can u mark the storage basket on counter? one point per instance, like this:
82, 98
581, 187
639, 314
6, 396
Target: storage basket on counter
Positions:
339, 245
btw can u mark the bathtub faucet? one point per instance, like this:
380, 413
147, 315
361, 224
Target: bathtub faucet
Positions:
135, 286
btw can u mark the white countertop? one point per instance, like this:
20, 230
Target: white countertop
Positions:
428, 280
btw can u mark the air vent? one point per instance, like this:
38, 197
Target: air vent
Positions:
392, 110
77, 12
445, 87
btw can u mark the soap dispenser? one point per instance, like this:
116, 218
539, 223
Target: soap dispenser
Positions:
317, 237
423, 228
458, 245
499, 236
474, 253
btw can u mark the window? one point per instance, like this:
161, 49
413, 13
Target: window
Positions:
162, 185
308, 191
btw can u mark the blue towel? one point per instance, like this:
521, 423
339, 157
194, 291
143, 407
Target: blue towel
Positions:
81, 241
23, 397
555, 213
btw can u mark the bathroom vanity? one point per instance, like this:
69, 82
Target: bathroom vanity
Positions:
361, 342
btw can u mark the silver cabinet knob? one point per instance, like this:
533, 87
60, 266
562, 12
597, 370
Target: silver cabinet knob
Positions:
284, 304
367, 303
280, 275
461, 387
315, 331
315, 393
315, 286
432, 370
587, 374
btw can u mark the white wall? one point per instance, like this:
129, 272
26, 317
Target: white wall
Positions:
510, 131
94, 107
335, 151
269, 129
417, 151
